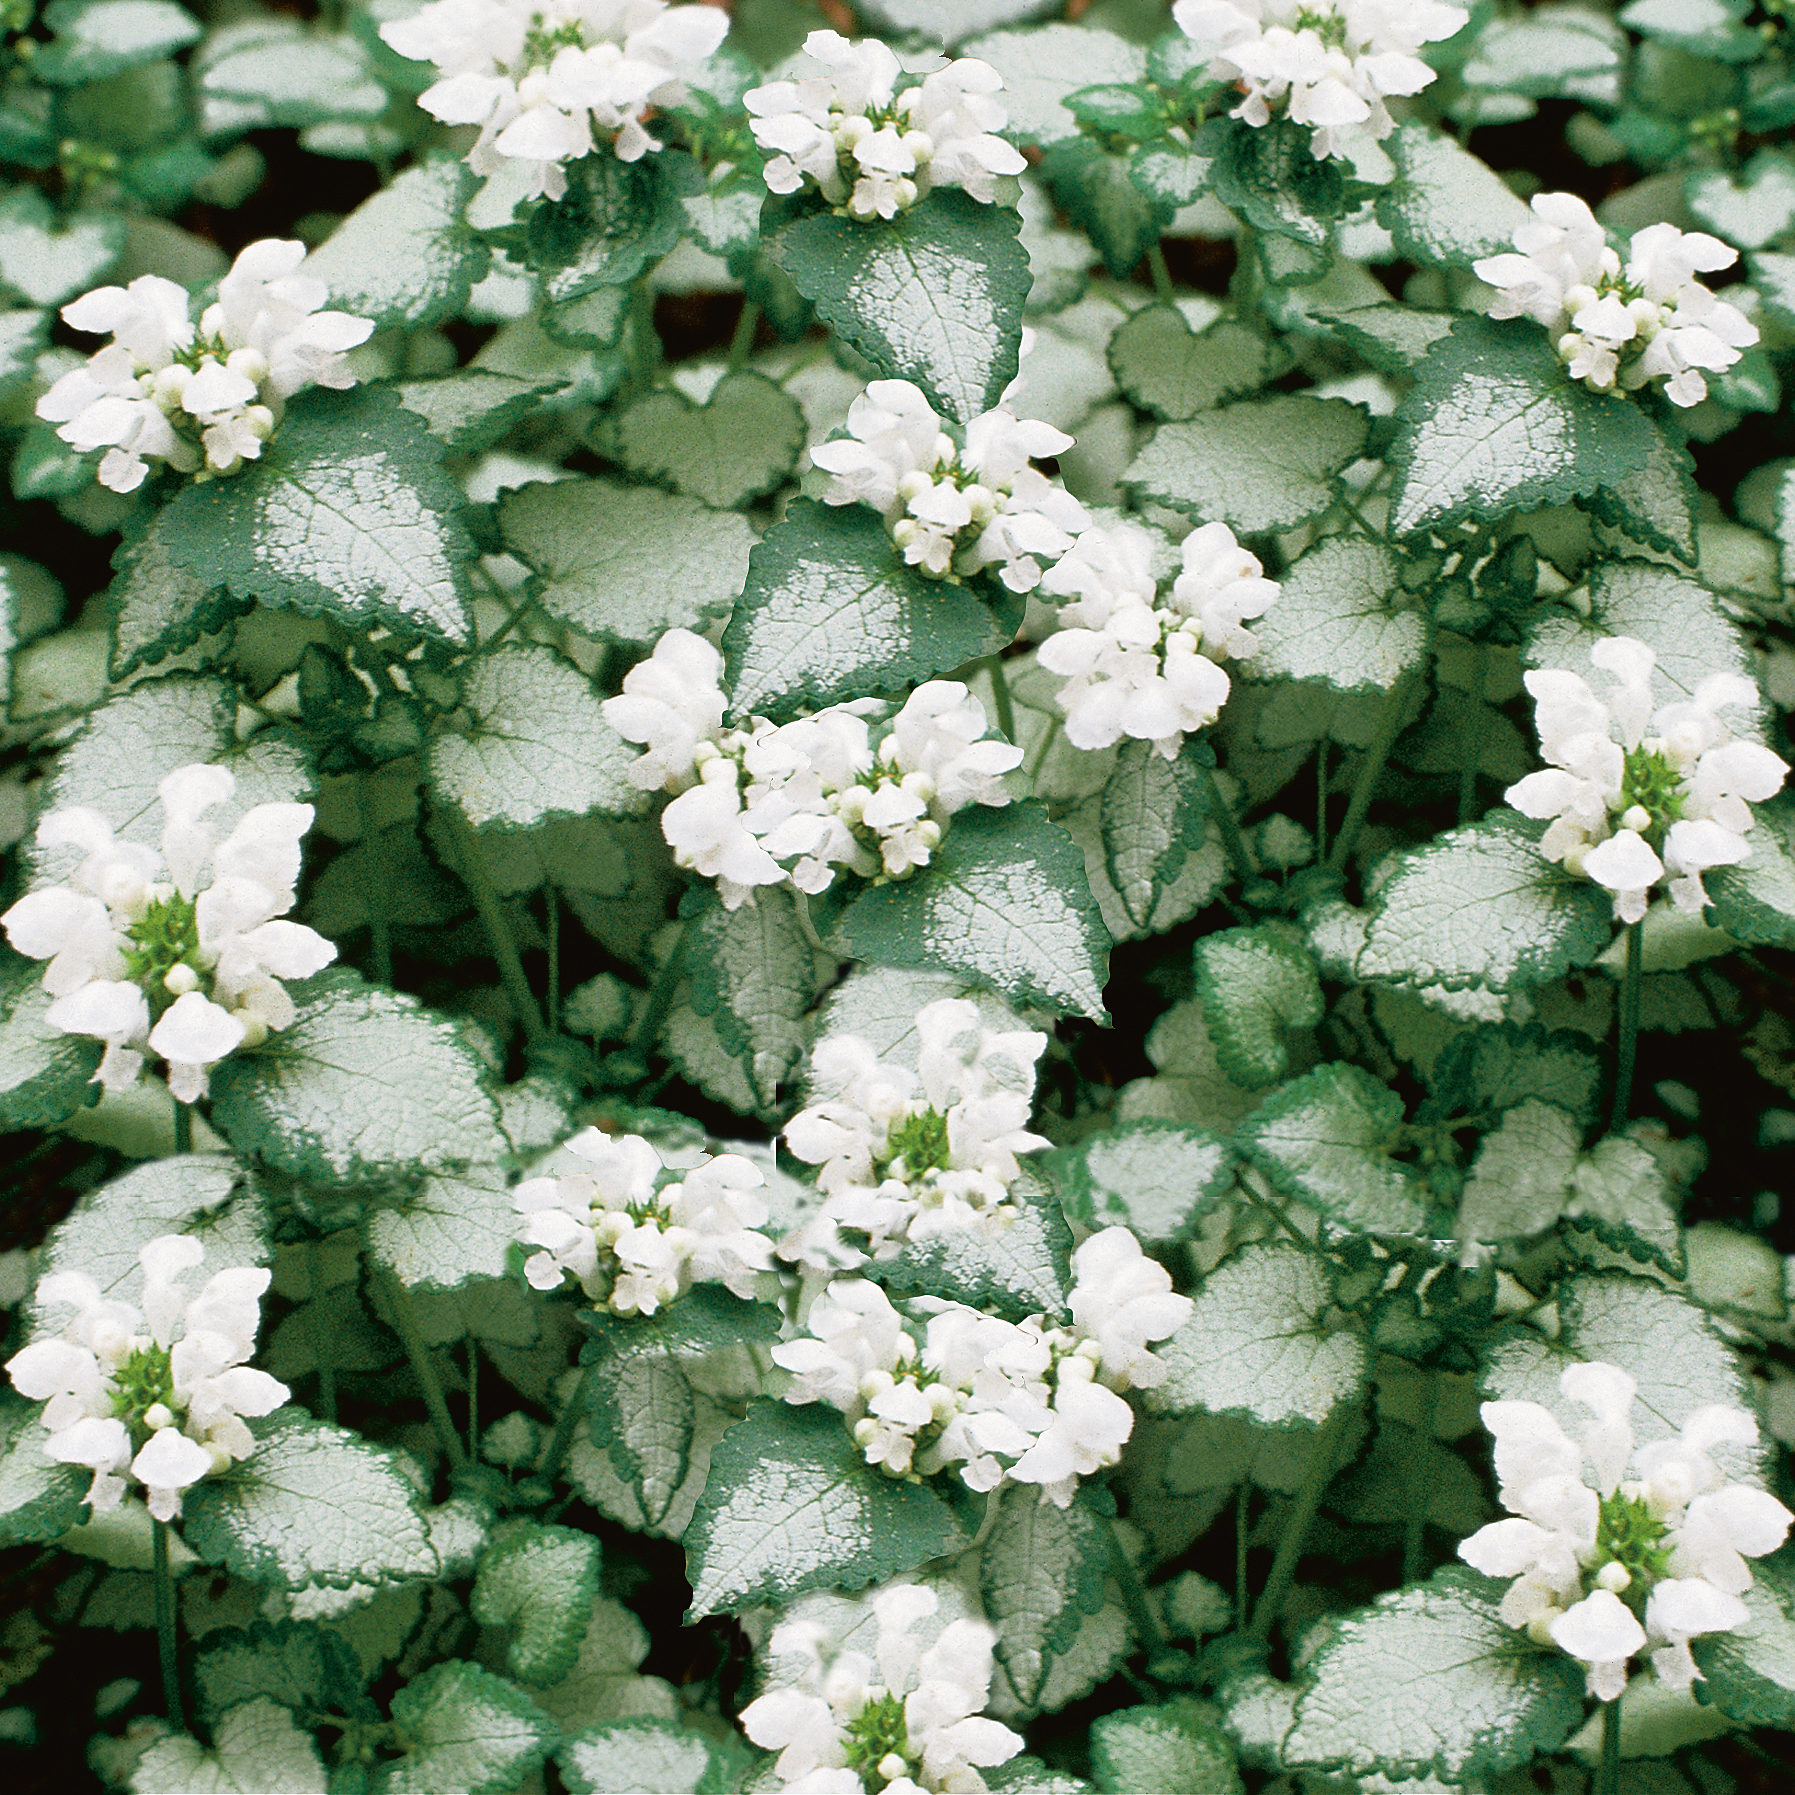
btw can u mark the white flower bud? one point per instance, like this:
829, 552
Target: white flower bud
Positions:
255, 1030
981, 501
876, 1383
180, 979
252, 364
1577, 297
1614, 1577
905, 531
260, 421
913, 485
852, 130
919, 143
1539, 1629
158, 1414
891, 1767
1636, 817
171, 382
719, 772
945, 452
905, 191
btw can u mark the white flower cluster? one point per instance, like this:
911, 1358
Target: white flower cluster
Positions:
203, 400
1615, 1550
1134, 666
545, 79
1616, 325
1629, 807
147, 951
1327, 64
799, 802
634, 1247
155, 1391
954, 508
905, 1155
1000, 1401
900, 1720
871, 151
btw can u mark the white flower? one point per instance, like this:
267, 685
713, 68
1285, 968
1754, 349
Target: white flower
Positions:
708, 833
199, 399
1637, 793
1620, 326
1134, 667
842, 126
671, 703
906, 1155
156, 1392
910, 1716
146, 951
1121, 1300
1671, 1538
544, 82
954, 509
1329, 64
634, 1248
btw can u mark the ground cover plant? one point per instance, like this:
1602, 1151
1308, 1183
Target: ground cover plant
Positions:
897, 899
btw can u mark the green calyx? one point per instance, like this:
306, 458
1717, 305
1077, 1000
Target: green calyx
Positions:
167, 936
1628, 1534
1651, 782
920, 1143
145, 1379
541, 46
874, 1734
1329, 26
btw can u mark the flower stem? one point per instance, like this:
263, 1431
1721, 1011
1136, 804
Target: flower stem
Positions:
472, 865
661, 993
1000, 696
1240, 853
1296, 1528
183, 1127
1321, 800
1472, 745
1389, 726
551, 902
741, 345
1242, 1497
405, 1324
327, 1365
167, 1644
1166, 293
513, 618
373, 890
1608, 1778
1629, 1025
1134, 1592
560, 1442
473, 1398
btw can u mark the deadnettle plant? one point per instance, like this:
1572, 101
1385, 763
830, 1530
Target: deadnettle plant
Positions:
1621, 325
548, 83
1640, 792
842, 125
1134, 667
852, 789
955, 507
179, 953
152, 1393
1618, 1550
201, 399
633, 1238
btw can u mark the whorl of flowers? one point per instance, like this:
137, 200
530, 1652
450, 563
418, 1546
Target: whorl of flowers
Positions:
1618, 325
900, 1720
1134, 666
1638, 794
547, 80
870, 150
800, 802
153, 1392
954, 508
945, 1386
634, 1243
179, 952
1327, 64
201, 399
1617, 1550
904, 1155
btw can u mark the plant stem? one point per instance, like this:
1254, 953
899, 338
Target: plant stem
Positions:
1240, 853
513, 618
473, 1398
1321, 800
405, 1324
167, 1644
551, 899
183, 1127
327, 1365
1134, 1592
554, 1454
1418, 1495
1000, 696
1608, 1778
1296, 1528
373, 892
1472, 746
504, 945
1389, 726
661, 993
1629, 1025
741, 345
1242, 1497
1166, 293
